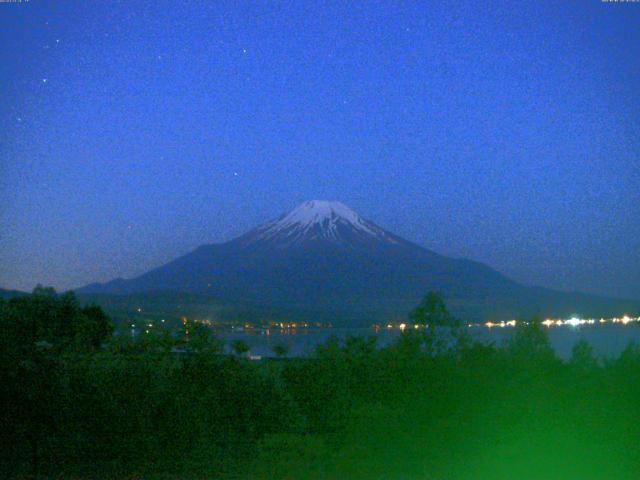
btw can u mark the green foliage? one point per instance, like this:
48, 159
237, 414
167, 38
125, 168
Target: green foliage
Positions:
57, 321
201, 338
432, 312
583, 357
239, 347
293, 456
443, 332
79, 404
95, 327
280, 350
530, 340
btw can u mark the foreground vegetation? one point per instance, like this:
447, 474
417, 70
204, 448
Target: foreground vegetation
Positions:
81, 403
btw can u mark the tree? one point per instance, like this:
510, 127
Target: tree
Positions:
582, 356
239, 347
42, 291
94, 326
630, 356
443, 331
359, 346
432, 312
45, 317
531, 339
280, 350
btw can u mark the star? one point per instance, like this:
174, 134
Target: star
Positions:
235, 174
244, 50
44, 80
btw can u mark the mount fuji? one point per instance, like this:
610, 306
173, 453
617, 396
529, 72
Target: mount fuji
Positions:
325, 261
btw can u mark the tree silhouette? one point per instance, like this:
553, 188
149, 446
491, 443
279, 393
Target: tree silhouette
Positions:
531, 339
95, 326
280, 350
432, 312
443, 332
582, 356
239, 347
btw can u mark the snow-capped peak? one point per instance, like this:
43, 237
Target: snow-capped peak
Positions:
317, 211
320, 219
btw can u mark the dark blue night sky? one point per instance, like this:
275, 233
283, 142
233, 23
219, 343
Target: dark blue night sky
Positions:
506, 132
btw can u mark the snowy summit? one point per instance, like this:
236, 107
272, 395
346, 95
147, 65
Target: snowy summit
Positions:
321, 212
321, 219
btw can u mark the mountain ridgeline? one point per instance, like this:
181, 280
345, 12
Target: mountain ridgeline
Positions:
323, 261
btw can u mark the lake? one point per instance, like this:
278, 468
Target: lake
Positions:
608, 340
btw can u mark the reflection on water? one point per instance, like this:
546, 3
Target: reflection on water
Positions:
608, 340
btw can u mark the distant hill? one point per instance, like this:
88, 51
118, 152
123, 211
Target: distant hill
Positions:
7, 294
323, 260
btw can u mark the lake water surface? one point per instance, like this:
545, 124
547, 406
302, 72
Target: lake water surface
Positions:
608, 340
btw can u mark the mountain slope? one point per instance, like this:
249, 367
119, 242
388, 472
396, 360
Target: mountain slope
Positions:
323, 257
